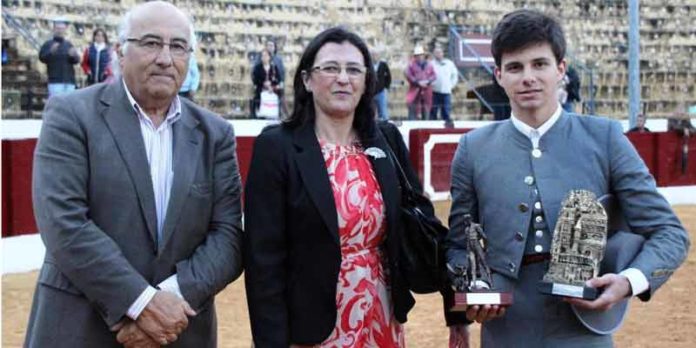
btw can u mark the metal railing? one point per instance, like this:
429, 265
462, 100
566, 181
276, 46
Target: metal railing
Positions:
469, 84
13, 23
588, 101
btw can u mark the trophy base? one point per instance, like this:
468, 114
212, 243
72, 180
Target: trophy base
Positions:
567, 290
464, 299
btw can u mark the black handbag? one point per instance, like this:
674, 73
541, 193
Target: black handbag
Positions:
421, 244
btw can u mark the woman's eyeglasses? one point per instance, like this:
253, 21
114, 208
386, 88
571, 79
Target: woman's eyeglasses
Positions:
333, 70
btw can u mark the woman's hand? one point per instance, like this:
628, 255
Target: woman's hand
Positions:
459, 336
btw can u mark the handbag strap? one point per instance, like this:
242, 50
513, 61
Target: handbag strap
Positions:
395, 161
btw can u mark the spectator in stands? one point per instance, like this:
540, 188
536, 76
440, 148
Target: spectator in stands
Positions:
447, 76
321, 211
59, 55
383, 78
137, 199
277, 60
115, 68
499, 101
193, 79
266, 77
96, 60
640, 125
547, 153
572, 88
561, 92
5, 56
496, 101
420, 76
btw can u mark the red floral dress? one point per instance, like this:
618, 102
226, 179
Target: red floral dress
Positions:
365, 317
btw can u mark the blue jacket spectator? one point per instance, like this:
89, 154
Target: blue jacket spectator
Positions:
193, 79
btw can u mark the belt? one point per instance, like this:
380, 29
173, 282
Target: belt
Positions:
535, 258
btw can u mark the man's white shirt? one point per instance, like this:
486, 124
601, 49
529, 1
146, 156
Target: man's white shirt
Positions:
446, 75
159, 149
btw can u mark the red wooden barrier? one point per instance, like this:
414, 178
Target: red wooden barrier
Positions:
660, 151
646, 145
440, 158
244, 148
17, 213
17, 157
669, 160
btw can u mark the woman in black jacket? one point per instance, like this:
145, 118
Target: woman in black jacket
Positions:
322, 211
265, 77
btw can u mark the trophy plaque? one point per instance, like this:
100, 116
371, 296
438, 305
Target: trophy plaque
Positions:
470, 274
577, 248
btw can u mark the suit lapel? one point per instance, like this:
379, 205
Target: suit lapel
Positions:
186, 157
122, 121
312, 167
387, 178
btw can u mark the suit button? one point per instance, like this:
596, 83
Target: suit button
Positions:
536, 153
529, 180
519, 236
512, 267
523, 207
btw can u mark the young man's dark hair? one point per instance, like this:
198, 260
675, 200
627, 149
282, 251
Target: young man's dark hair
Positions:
522, 28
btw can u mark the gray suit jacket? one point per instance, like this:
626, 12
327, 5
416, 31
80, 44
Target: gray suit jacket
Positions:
95, 209
578, 152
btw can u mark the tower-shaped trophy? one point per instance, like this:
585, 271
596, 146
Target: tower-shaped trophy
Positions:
577, 248
470, 274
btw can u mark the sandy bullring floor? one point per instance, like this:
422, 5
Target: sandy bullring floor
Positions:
668, 320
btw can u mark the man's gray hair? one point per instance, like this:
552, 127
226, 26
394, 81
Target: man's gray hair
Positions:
125, 26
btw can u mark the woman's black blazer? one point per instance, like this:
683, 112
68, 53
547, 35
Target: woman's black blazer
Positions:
292, 249
258, 77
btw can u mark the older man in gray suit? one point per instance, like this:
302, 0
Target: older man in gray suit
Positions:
137, 198
512, 176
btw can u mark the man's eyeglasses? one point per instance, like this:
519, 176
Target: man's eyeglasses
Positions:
333, 70
152, 45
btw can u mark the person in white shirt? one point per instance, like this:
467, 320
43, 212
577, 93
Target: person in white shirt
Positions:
447, 76
137, 197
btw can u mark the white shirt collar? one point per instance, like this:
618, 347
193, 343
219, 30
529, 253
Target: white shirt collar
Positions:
173, 113
536, 133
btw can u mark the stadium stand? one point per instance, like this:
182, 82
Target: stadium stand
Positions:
230, 34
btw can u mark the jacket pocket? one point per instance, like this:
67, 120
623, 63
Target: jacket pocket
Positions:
51, 276
201, 188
